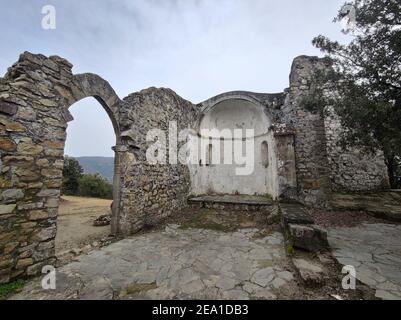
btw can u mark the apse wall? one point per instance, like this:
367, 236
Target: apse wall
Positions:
216, 142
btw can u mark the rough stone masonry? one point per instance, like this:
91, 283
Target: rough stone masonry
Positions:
35, 94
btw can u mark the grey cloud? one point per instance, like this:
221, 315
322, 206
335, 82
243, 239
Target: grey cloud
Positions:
199, 48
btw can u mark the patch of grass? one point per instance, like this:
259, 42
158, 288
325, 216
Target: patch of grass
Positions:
268, 196
290, 248
216, 226
9, 288
205, 219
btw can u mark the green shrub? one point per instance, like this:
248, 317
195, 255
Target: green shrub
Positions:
95, 186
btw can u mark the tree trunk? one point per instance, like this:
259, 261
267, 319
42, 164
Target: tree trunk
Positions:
390, 163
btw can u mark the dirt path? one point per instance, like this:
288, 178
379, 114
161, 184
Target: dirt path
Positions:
75, 222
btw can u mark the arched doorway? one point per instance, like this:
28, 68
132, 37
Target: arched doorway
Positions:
36, 94
91, 85
87, 189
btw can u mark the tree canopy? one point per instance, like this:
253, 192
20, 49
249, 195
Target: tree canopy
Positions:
76, 183
72, 172
364, 85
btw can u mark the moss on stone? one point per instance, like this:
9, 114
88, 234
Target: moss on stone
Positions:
268, 196
140, 287
205, 219
9, 288
290, 248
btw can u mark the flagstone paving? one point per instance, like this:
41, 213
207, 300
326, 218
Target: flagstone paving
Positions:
177, 264
375, 252
200, 263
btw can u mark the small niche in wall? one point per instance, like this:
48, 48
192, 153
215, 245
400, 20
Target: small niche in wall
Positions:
264, 153
209, 156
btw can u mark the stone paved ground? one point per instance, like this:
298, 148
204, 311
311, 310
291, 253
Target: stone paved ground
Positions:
178, 263
375, 252
386, 205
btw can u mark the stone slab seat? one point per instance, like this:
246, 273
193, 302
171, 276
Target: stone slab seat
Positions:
300, 230
233, 199
233, 203
381, 204
295, 214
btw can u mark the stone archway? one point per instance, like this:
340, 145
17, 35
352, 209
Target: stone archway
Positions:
35, 95
91, 85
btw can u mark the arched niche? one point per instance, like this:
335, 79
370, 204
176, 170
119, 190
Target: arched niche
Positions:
222, 122
264, 154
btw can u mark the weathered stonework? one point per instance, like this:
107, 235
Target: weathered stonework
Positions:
151, 192
353, 169
300, 230
322, 166
35, 95
310, 142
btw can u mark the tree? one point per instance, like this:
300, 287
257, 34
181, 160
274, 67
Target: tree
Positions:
364, 85
72, 172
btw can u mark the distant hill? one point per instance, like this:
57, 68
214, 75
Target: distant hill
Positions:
102, 165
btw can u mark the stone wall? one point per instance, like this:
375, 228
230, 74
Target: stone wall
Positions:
321, 165
286, 164
312, 167
352, 169
151, 192
35, 95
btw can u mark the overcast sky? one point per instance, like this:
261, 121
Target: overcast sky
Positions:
198, 48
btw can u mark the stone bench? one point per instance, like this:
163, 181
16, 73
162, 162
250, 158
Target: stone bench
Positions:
232, 203
300, 230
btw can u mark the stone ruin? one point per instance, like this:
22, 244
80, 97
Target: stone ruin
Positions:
299, 156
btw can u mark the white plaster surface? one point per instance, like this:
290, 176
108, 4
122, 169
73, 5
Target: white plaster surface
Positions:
220, 177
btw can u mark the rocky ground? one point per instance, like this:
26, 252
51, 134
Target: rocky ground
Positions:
371, 245
374, 250
177, 263
220, 254
344, 218
385, 205
209, 255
